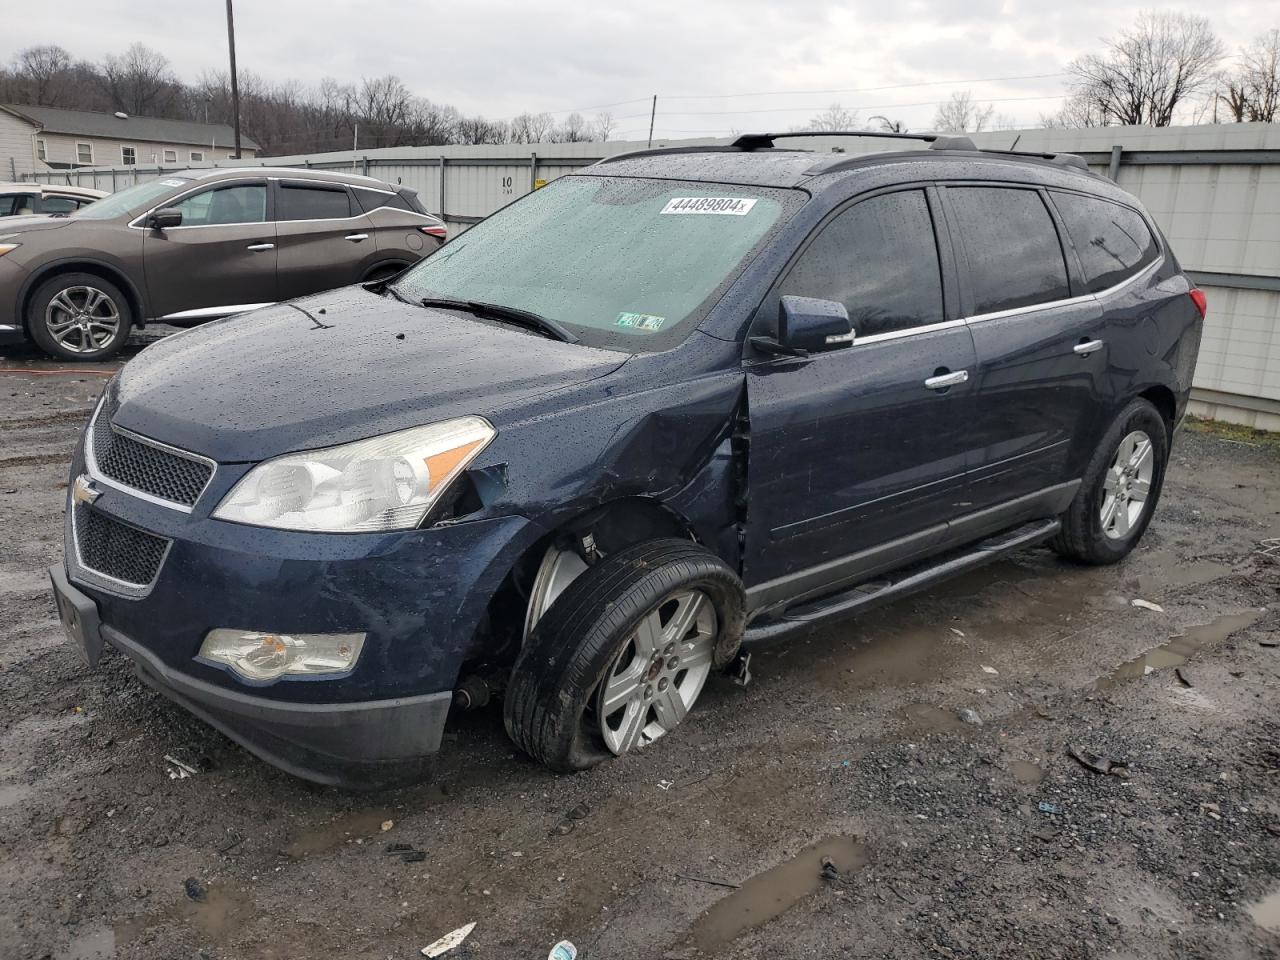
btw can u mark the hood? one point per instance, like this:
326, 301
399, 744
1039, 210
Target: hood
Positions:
336, 367
31, 223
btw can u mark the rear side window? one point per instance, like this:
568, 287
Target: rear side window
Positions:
371, 200
312, 203
59, 204
1113, 242
1010, 241
880, 259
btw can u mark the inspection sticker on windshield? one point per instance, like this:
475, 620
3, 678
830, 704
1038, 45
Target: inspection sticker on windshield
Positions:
732, 206
640, 321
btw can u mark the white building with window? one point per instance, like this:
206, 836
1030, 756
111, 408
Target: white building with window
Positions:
36, 139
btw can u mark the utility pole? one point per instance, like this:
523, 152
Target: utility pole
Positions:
235, 84
652, 112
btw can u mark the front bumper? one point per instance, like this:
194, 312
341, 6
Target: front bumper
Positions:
421, 598
11, 333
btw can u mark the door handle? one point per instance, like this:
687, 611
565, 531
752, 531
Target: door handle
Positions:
356, 237
260, 246
1089, 346
944, 380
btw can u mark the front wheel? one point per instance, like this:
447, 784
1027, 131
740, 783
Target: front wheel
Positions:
79, 316
623, 653
1120, 488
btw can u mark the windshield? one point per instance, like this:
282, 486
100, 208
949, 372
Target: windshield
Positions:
129, 199
624, 263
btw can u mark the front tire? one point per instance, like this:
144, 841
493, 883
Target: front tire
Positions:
79, 316
623, 653
1120, 489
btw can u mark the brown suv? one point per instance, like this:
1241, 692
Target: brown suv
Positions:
200, 244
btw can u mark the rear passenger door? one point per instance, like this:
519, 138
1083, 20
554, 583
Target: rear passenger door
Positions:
322, 237
1041, 379
852, 450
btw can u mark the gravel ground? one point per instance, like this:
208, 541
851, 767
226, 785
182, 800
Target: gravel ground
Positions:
844, 804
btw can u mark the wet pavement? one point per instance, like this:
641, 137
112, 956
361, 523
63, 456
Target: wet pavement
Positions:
897, 786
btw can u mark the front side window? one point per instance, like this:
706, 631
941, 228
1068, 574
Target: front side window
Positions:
1113, 242
312, 203
1012, 247
12, 204
128, 156
84, 153
58, 205
623, 262
880, 259
234, 203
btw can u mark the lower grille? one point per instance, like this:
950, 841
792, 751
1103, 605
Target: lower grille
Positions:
116, 550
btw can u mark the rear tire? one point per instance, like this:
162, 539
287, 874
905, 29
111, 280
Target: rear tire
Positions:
1120, 489
79, 316
620, 629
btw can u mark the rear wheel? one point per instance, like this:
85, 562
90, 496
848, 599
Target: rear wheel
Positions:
1120, 489
79, 316
622, 654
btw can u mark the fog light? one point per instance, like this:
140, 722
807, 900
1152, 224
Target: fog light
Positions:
266, 656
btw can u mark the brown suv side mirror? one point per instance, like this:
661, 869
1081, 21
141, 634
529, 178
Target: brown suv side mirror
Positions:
162, 219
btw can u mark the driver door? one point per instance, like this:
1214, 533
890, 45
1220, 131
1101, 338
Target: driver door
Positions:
857, 456
222, 257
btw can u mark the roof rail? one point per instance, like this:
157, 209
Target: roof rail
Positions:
759, 141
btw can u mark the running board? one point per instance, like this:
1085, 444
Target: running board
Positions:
909, 580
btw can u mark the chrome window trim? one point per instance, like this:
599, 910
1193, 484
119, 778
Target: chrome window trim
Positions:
133, 591
91, 465
1015, 311
138, 222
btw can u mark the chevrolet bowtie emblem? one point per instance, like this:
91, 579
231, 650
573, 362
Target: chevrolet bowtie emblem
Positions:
83, 491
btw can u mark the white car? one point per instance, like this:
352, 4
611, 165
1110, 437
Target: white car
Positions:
19, 199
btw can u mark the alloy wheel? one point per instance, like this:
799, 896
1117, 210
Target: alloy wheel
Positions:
659, 672
1126, 486
82, 319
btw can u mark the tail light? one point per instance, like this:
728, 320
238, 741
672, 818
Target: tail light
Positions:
439, 230
1199, 299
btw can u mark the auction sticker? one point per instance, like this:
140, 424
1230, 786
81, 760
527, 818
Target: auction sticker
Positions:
730, 206
640, 321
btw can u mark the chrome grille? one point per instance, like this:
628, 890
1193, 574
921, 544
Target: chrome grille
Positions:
116, 550
148, 468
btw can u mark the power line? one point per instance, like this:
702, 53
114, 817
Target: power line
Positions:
896, 86
868, 106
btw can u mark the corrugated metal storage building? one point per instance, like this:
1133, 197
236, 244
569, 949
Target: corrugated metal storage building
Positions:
1214, 190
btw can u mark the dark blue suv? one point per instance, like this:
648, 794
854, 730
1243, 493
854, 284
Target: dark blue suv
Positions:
590, 450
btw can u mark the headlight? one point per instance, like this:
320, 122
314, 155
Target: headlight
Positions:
266, 656
8, 248
383, 483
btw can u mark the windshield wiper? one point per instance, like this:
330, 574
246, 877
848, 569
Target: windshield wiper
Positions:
498, 311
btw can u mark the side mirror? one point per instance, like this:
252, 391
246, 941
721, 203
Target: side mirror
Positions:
162, 219
808, 325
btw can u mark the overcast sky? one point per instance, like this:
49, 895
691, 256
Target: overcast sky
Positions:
698, 56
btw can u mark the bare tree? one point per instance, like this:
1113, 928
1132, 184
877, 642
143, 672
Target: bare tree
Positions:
140, 82
603, 125
1251, 91
1147, 71
1076, 111
480, 130
890, 126
834, 118
574, 129
47, 73
962, 113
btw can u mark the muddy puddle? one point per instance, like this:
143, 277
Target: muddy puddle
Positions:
768, 895
1024, 771
331, 835
925, 718
216, 918
1266, 912
1179, 648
